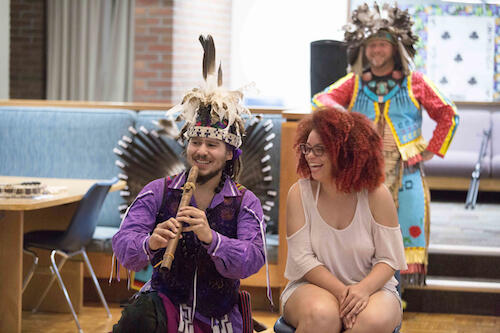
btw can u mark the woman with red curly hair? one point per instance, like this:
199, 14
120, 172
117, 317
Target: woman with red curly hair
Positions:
344, 240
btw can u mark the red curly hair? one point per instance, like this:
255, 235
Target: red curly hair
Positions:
353, 145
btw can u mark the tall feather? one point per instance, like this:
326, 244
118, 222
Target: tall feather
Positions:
208, 56
219, 76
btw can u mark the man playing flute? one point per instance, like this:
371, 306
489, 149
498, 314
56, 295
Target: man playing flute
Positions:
222, 238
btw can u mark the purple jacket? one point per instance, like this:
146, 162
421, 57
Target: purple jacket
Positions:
234, 258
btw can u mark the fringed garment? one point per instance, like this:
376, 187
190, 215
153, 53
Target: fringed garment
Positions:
411, 195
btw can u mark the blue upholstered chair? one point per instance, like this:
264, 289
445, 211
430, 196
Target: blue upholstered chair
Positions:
70, 242
281, 326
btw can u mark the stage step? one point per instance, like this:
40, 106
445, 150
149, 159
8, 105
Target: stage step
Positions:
475, 264
467, 250
464, 257
461, 279
460, 284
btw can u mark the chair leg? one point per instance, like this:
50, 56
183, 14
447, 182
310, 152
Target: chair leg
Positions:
28, 277
96, 283
51, 282
55, 270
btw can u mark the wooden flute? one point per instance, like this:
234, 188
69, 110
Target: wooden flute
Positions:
187, 193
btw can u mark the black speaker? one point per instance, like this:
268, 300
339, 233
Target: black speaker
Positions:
328, 63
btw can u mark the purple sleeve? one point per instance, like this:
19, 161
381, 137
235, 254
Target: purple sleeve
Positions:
130, 242
238, 258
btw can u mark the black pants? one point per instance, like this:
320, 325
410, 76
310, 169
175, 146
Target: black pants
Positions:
145, 314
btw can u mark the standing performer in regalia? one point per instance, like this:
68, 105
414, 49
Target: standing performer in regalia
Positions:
382, 86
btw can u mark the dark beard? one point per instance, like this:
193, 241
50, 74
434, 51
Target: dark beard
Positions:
202, 179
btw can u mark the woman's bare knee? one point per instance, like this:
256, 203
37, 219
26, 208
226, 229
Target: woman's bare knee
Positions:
313, 310
373, 322
320, 317
382, 314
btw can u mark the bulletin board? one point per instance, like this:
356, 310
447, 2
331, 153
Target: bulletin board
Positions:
459, 49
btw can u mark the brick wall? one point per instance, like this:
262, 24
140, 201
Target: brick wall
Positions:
168, 55
192, 18
167, 52
27, 49
153, 50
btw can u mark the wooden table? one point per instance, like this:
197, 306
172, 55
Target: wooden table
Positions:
15, 214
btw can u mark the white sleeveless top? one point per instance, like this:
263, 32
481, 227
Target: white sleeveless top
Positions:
348, 253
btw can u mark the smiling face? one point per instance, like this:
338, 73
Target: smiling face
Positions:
209, 155
320, 166
380, 55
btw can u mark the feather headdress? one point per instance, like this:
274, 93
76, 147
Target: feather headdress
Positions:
368, 23
212, 111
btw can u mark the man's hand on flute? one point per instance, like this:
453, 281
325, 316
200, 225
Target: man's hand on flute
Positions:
163, 232
197, 221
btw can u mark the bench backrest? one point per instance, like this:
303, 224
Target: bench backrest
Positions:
64, 143
463, 152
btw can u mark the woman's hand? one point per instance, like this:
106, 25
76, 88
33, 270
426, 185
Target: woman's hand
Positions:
348, 321
197, 221
340, 293
354, 300
163, 232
